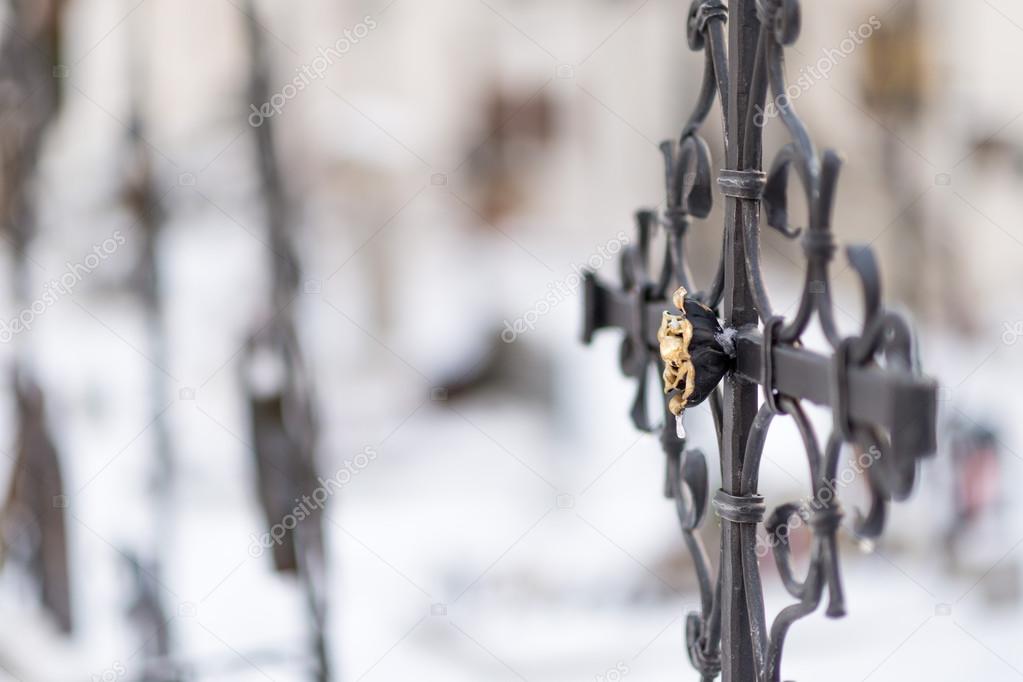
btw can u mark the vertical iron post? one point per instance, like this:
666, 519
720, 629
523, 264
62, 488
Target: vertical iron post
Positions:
740, 396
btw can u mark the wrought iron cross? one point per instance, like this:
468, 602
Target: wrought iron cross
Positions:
881, 407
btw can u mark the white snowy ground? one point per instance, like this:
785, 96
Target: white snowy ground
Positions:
489, 540
535, 592
516, 534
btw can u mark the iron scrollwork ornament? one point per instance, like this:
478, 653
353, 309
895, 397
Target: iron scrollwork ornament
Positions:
680, 334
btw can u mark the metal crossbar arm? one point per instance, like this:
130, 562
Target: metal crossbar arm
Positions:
903, 403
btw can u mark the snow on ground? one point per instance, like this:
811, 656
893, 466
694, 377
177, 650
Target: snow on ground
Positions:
511, 534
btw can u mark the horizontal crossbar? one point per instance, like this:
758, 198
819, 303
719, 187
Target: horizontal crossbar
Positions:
893, 398
903, 404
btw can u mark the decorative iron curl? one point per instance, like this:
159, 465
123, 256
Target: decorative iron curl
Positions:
689, 194
635, 357
882, 334
689, 186
688, 485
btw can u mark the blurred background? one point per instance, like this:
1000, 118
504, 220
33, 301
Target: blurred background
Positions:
291, 337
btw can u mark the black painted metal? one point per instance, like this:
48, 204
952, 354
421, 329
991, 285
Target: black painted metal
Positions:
881, 407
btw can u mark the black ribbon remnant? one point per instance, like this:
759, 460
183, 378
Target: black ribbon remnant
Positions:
696, 351
707, 350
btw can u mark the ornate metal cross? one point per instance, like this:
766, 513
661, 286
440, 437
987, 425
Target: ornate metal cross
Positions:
881, 407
